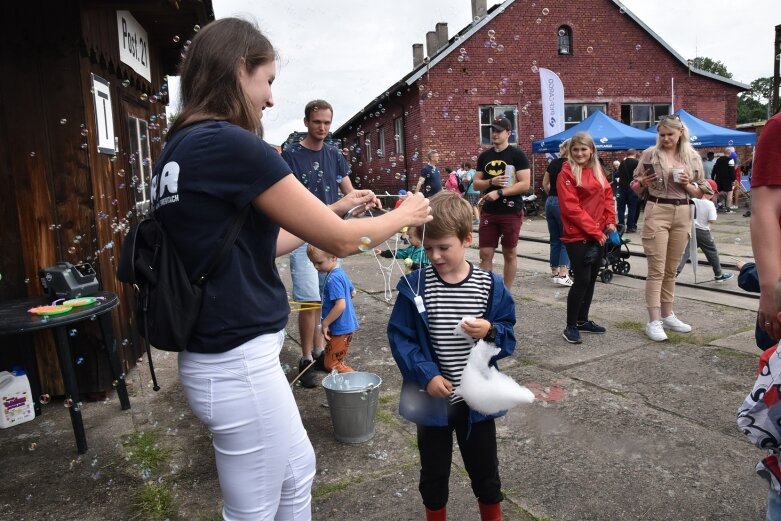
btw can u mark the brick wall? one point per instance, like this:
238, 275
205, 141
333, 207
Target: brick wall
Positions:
613, 62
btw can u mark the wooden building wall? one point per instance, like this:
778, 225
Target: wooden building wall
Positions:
60, 199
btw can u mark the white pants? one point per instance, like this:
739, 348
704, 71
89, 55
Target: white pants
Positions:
265, 461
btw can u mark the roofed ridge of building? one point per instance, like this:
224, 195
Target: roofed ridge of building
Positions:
495, 10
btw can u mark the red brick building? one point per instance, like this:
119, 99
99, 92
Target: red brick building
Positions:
606, 57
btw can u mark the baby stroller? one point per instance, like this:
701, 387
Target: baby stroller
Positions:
613, 257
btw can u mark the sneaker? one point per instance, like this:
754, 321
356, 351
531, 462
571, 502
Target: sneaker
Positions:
733, 207
308, 378
631, 229
591, 327
672, 322
564, 281
572, 335
747, 214
725, 275
655, 331
555, 279
320, 362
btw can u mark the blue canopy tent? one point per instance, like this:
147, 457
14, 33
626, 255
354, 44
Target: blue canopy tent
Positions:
608, 134
704, 134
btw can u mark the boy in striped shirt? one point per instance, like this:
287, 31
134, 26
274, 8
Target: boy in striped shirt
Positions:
431, 357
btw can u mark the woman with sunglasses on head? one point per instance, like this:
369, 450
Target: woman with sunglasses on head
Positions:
669, 174
216, 167
588, 214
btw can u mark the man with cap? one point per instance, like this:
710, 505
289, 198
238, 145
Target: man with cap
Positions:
503, 175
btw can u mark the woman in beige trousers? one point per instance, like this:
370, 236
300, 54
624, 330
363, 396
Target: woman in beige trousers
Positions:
668, 175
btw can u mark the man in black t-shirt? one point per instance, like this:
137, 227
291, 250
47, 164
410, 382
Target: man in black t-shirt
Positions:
502, 187
625, 196
430, 180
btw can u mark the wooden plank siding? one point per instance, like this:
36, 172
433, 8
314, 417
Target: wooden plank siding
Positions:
60, 199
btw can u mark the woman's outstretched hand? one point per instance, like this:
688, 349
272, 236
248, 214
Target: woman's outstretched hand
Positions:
417, 208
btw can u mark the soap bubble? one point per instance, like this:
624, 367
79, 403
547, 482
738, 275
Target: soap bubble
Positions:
535, 69
126, 83
196, 28
73, 332
63, 121
68, 403
44, 399
32, 154
545, 11
600, 91
589, 49
491, 33
562, 32
539, 20
365, 244
144, 96
730, 142
490, 60
176, 38
622, 11
638, 47
33, 446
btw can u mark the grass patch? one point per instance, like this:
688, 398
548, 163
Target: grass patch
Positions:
411, 442
731, 353
525, 298
324, 490
155, 501
144, 449
385, 417
687, 338
385, 399
217, 516
631, 325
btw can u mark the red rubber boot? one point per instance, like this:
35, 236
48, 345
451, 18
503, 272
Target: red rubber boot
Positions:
436, 515
492, 512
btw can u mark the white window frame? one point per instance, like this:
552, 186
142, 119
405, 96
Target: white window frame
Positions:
368, 147
587, 109
139, 145
398, 137
381, 142
494, 111
655, 110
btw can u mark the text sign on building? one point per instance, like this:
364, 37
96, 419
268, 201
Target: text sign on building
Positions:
104, 119
133, 44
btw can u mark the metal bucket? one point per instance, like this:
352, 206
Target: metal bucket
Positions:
352, 399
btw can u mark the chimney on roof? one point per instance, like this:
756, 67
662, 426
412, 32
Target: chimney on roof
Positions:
479, 9
442, 36
417, 54
432, 43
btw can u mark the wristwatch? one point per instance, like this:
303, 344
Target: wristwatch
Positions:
500, 192
491, 335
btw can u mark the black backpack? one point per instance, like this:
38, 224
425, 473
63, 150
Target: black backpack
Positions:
167, 301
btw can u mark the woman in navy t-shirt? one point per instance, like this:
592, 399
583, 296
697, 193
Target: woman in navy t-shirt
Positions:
230, 371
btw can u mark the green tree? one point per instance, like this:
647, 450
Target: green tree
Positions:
706, 64
753, 103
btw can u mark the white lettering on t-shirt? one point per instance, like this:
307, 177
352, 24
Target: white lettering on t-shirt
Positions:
165, 188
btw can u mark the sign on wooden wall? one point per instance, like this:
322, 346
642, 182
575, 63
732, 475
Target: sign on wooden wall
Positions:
104, 120
133, 44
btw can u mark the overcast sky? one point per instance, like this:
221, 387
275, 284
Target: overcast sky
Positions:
349, 51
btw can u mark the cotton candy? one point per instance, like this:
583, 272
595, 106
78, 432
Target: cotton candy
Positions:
484, 388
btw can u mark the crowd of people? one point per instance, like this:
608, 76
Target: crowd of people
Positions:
264, 459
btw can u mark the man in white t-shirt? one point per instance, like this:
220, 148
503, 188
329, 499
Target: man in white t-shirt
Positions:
705, 215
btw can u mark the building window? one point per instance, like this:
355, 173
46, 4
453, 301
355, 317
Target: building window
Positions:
368, 148
565, 40
381, 142
574, 113
488, 114
398, 138
643, 115
142, 165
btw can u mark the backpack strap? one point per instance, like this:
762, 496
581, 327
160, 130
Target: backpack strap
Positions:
227, 243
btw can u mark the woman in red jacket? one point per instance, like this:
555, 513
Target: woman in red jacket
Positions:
588, 214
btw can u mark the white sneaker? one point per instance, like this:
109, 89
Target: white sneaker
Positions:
555, 279
672, 322
733, 207
564, 281
655, 331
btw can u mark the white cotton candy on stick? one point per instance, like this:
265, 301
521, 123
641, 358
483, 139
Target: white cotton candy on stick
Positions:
484, 388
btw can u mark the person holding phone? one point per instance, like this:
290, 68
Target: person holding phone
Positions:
669, 174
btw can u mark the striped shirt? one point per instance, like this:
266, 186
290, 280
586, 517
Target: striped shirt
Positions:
446, 304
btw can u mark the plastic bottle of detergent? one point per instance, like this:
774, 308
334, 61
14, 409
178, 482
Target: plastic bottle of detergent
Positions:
16, 400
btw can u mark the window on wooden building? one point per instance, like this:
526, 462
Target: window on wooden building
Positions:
368, 144
140, 161
565, 39
643, 115
574, 113
489, 113
398, 138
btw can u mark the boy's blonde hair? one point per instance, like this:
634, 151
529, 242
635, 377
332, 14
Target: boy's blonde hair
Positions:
314, 251
452, 216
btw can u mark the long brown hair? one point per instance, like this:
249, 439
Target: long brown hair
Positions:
210, 86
